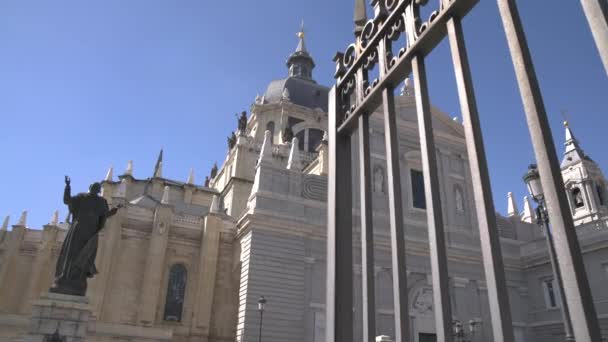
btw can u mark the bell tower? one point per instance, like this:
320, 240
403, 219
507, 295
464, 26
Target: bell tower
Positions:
584, 182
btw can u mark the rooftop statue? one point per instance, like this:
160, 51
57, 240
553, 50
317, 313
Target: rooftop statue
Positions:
242, 123
76, 260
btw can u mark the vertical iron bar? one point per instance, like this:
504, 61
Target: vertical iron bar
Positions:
339, 295
396, 218
367, 233
395, 202
439, 260
596, 12
500, 311
570, 259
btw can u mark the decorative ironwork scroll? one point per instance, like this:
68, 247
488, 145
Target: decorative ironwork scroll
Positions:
399, 29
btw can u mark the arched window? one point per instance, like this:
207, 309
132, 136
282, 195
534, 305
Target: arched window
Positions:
314, 138
577, 197
270, 127
176, 290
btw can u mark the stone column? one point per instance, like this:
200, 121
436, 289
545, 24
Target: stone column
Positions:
155, 264
502, 326
59, 315
207, 267
43, 263
596, 12
570, 259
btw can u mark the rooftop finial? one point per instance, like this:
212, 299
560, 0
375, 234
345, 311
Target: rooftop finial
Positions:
190, 177
55, 218
266, 152
526, 216
158, 168
5, 223
23, 219
215, 204
301, 46
512, 209
165, 199
110, 174
129, 170
294, 156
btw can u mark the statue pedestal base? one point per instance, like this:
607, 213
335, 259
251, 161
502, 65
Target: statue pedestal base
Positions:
59, 318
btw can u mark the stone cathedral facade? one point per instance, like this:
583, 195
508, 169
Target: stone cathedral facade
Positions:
185, 262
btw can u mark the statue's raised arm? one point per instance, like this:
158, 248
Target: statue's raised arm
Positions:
67, 193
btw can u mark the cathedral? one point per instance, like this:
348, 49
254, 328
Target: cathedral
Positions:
186, 262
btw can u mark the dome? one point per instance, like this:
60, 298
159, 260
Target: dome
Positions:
302, 92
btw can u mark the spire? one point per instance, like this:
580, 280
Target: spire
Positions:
526, 216
300, 63
266, 153
573, 153
158, 168
301, 45
23, 219
129, 170
110, 174
165, 199
5, 223
360, 16
294, 156
190, 177
55, 218
512, 206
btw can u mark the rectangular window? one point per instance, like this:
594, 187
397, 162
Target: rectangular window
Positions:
418, 198
551, 293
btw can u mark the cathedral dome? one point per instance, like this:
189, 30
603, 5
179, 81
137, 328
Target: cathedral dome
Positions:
299, 91
299, 87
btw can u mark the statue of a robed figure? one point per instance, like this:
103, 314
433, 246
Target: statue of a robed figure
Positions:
76, 261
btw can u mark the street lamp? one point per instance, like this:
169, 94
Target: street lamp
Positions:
460, 331
532, 180
261, 305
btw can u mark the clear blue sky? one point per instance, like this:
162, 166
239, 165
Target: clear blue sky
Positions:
89, 84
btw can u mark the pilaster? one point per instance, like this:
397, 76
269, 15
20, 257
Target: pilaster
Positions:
107, 258
207, 269
15, 238
43, 263
150, 292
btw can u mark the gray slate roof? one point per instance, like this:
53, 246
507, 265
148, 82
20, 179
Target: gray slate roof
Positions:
301, 92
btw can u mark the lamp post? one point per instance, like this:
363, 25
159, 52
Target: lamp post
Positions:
261, 305
460, 331
532, 180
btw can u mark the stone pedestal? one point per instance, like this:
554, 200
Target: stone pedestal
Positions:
59, 317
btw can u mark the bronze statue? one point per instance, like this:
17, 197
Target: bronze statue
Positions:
242, 123
76, 260
214, 171
231, 141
